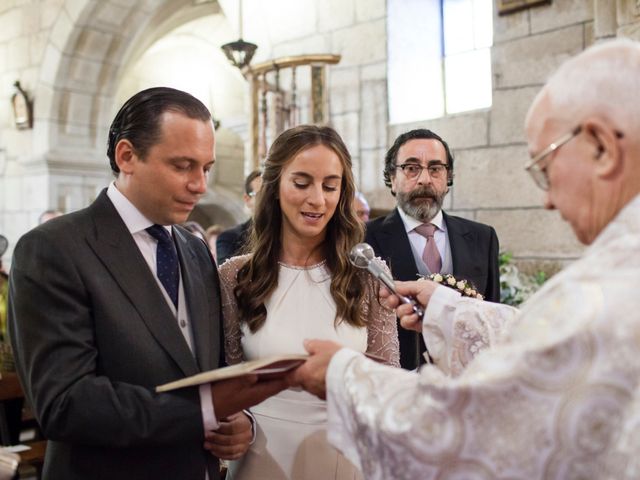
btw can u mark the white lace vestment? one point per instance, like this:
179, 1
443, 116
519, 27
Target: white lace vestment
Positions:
550, 392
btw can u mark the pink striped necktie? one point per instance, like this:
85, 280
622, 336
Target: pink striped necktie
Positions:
430, 254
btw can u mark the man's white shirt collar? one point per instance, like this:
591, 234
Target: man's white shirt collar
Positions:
134, 220
411, 223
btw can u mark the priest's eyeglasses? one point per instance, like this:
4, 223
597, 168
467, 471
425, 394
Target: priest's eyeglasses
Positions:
537, 167
414, 170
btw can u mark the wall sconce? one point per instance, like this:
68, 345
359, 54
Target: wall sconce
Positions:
22, 108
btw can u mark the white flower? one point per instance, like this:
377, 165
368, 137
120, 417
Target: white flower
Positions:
465, 287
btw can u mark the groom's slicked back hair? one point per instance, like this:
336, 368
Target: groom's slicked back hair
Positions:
138, 120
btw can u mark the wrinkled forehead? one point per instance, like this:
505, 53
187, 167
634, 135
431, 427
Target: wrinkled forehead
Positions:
422, 149
552, 110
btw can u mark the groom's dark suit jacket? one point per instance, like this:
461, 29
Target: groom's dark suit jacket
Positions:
93, 335
474, 252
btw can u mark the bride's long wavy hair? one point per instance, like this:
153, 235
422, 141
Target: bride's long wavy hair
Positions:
258, 277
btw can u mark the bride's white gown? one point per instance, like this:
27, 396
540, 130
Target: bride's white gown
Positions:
291, 437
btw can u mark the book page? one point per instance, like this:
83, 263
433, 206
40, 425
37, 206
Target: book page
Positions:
265, 368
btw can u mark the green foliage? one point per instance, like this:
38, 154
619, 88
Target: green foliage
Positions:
516, 286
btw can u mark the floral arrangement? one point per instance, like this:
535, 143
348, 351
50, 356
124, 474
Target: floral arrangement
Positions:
516, 286
464, 287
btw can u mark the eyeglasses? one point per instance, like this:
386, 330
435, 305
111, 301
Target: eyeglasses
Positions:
535, 167
538, 171
414, 170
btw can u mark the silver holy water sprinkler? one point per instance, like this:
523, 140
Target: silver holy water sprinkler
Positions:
363, 256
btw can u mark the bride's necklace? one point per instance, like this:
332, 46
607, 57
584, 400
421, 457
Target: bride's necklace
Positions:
302, 267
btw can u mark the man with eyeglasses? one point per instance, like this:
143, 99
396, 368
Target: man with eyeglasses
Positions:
551, 391
231, 241
418, 238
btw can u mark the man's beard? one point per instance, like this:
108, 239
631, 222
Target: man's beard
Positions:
423, 203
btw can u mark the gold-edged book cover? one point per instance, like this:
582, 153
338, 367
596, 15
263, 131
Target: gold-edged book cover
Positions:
269, 367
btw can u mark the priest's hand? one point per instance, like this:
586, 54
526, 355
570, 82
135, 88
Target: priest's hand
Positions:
420, 290
232, 439
311, 375
236, 394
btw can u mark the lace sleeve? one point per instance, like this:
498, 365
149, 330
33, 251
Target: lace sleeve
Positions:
457, 329
232, 332
382, 328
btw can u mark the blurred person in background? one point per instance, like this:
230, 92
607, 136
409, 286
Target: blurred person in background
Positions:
48, 215
211, 235
361, 206
231, 241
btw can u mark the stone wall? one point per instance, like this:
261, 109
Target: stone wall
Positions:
528, 47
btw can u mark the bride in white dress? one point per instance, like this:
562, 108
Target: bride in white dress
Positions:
298, 283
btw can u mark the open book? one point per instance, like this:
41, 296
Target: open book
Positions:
265, 368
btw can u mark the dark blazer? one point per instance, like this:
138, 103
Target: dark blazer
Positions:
93, 335
474, 252
230, 242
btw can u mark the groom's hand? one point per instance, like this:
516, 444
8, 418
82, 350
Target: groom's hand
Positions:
232, 439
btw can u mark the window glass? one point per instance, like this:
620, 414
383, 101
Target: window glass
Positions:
468, 81
439, 57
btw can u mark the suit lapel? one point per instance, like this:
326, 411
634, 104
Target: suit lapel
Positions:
114, 245
394, 241
196, 297
462, 242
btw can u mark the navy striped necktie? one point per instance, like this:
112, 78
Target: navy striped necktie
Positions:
166, 261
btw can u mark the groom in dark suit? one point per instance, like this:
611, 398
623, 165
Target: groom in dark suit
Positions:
108, 302
419, 238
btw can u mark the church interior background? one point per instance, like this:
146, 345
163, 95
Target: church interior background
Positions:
466, 69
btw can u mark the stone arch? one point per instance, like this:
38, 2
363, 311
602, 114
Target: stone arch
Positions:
90, 44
